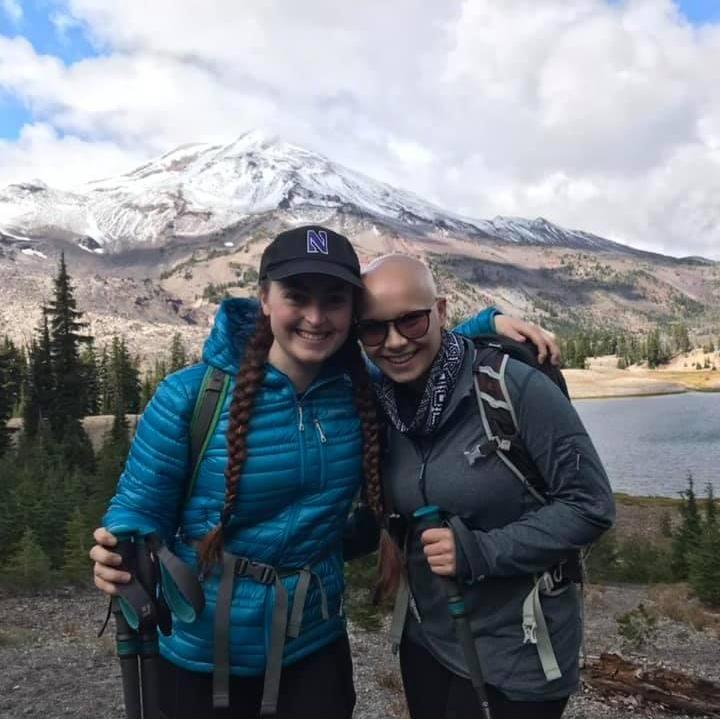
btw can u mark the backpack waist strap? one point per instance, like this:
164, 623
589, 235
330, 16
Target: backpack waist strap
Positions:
236, 566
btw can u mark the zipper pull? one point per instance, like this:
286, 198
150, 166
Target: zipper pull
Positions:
323, 439
421, 474
301, 424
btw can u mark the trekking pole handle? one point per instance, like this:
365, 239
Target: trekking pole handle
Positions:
426, 518
127, 641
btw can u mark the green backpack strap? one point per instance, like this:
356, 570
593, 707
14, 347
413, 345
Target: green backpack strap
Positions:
206, 414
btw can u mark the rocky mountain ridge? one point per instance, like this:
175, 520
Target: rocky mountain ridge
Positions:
152, 251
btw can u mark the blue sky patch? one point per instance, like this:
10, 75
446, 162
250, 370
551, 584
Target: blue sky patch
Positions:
13, 115
700, 12
51, 31
62, 37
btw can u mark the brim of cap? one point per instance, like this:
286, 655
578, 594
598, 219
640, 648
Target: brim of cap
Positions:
315, 267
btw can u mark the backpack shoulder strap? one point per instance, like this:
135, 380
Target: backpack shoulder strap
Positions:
500, 420
206, 414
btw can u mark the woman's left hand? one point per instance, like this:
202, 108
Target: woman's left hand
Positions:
439, 548
520, 330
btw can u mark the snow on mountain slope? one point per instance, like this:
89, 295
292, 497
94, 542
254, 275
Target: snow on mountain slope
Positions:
199, 189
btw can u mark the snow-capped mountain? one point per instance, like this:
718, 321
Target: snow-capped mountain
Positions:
200, 190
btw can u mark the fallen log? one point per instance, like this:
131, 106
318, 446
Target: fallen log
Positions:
677, 691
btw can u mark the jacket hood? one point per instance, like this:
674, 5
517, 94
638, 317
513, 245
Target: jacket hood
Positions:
234, 324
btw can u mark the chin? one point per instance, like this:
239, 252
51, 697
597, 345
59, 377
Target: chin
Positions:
398, 375
315, 355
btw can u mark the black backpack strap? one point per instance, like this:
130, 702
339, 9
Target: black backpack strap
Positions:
205, 417
501, 427
500, 421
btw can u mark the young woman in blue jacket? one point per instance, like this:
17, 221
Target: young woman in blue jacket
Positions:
275, 484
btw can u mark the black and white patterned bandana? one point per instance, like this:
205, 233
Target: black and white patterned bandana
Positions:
438, 388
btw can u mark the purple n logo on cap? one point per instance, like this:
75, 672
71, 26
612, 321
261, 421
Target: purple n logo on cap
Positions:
317, 242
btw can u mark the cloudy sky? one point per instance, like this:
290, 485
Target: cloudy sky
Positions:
603, 115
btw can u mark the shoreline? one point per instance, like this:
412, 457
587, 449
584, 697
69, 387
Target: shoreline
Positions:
606, 383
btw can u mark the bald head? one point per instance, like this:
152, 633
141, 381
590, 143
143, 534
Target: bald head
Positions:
401, 305
400, 270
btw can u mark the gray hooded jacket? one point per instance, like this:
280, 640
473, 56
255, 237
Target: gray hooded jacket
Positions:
505, 539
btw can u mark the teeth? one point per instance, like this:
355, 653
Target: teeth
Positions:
311, 335
400, 359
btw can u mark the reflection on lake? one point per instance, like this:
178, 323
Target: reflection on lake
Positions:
648, 444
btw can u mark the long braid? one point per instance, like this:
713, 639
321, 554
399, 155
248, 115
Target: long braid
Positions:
247, 384
367, 410
390, 560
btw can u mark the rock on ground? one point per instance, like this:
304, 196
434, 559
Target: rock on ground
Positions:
53, 665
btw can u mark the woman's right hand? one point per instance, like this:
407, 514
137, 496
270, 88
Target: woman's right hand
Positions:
105, 573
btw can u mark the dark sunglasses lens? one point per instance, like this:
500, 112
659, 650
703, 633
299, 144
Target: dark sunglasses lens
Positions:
413, 325
372, 333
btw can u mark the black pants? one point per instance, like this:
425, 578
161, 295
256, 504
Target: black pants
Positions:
433, 691
318, 686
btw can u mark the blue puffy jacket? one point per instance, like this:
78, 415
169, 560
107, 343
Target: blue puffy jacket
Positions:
303, 469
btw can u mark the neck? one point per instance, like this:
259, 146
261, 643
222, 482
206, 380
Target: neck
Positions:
417, 387
301, 374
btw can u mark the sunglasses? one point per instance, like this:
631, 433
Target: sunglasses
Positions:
412, 326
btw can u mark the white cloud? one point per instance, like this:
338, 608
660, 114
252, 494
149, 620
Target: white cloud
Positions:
40, 152
12, 9
602, 117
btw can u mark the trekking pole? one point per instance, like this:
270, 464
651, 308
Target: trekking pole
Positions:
126, 638
148, 635
428, 517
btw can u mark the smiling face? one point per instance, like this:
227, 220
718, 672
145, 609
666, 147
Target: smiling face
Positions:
395, 287
310, 317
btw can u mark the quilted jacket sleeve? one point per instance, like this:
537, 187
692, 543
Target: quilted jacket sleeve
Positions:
581, 505
480, 324
152, 486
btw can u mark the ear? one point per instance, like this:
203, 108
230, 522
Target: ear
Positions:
442, 310
263, 296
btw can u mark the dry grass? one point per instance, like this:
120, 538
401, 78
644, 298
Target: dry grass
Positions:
677, 603
13, 636
701, 380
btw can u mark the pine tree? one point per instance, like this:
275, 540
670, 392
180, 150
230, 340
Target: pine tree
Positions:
69, 400
710, 506
653, 348
16, 369
28, 568
39, 385
582, 351
681, 338
124, 378
6, 400
147, 389
76, 565
90, 378
8, 515
105, 384
704, 565
178, 354
687, 537
110, 463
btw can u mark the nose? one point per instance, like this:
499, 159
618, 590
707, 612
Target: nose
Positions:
315, 314
394, 340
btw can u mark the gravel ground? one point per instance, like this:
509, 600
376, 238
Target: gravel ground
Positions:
55, 666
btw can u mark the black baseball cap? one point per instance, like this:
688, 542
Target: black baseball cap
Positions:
310, 249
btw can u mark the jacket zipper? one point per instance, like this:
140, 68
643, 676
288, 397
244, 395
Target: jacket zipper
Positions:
301, 424
318, 426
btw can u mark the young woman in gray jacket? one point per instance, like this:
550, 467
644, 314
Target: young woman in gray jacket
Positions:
506, 545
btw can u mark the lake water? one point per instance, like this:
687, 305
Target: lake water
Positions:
649, 444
